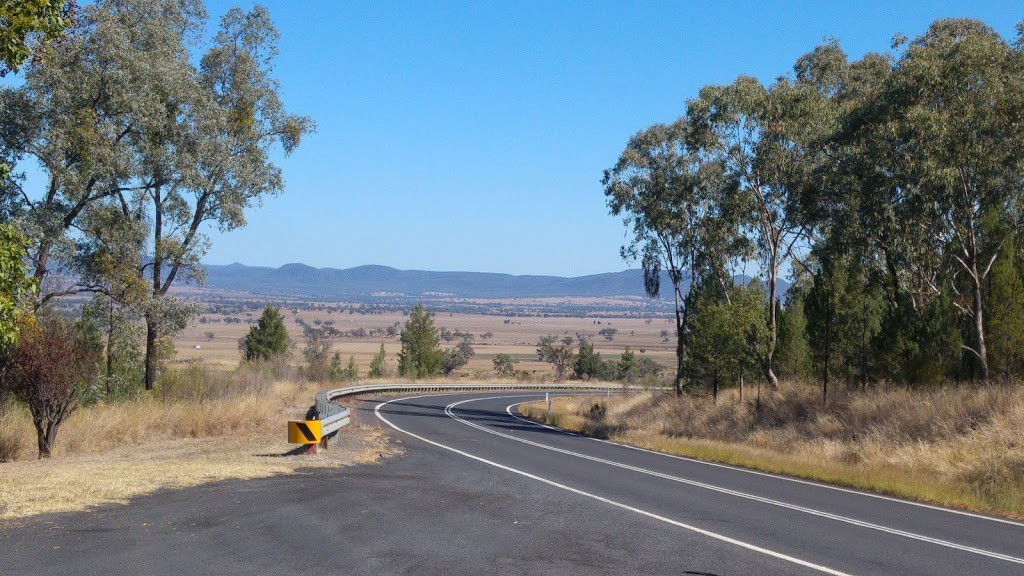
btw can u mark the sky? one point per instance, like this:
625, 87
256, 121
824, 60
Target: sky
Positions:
472, 136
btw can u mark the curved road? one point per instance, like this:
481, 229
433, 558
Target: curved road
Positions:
722, 519
481, 492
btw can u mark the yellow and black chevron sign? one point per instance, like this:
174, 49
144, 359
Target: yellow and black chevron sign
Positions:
304, 431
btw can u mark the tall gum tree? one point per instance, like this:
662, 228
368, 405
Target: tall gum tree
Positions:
958, 94
205, 158
670, 198
744, 126
76, 114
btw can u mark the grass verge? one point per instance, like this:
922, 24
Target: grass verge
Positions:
962, 448
200, 427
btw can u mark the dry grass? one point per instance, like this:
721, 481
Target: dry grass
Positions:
186, 434
961, 447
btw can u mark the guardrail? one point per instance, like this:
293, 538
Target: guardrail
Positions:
334, 417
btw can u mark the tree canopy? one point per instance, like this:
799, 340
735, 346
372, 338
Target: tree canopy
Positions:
421, 355
268, 338
893, 185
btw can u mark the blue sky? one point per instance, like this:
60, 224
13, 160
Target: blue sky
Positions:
472, 136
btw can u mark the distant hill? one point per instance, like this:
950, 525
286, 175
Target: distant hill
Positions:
364, 282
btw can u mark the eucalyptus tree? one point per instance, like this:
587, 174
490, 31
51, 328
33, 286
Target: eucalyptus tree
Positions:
749, 129
205, 154
957, 93
76, 116
674, 201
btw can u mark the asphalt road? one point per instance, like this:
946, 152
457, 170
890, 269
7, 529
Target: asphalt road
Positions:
480, 491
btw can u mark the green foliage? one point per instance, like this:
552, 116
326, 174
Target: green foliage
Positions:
504, 365
844, 318
674, 198
894, 182
320, 367
457, 357
338, 372
729, 336
632, 368
268, 338
25, 22
120, 339
421, 355
793, 353
453, 360
378, 365
588, 362
14, 285
560, 356
1005, 309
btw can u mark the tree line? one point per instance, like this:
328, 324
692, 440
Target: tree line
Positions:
888, 188
146, 134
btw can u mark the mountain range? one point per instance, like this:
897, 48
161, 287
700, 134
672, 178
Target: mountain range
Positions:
364, 282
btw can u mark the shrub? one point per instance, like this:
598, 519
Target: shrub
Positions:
268, 338
54, 368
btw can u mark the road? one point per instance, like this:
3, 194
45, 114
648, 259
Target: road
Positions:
773, 523
480, 491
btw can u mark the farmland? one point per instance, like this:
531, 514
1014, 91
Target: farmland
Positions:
213, 340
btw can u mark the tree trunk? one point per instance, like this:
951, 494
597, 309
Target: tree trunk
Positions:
110, 344
741, 387
151, 324
829, 314
5, 365
151, 354
46, 435
680, 344
979, 330
773, 278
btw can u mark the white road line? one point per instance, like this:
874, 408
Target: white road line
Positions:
736, 493
720, 537
770, 475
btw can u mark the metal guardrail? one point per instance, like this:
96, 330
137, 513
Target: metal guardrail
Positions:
334, 417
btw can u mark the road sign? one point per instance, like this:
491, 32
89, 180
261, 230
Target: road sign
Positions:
304, 431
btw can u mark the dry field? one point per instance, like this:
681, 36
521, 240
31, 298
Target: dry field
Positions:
202, 431
960, 447
516, 336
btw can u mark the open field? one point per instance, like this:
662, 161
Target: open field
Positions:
201, 432
516, 336
958, 447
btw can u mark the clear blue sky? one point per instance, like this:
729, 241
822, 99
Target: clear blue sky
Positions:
472, 136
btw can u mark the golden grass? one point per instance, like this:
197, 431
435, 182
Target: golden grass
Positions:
955, 447
111, 452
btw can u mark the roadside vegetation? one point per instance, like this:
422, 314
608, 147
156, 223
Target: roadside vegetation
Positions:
198, 425
959, 447
890, 190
